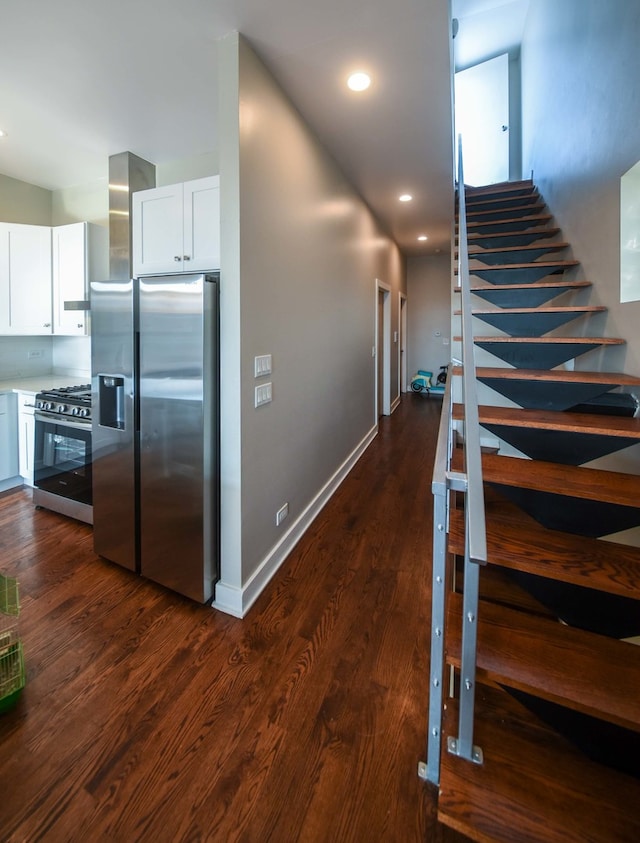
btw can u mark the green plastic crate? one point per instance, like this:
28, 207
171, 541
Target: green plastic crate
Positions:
9, 602
12, 673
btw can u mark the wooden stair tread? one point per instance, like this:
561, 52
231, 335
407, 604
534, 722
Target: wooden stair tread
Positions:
590, 673
589, 423
535, 207
521, 544
569, 340
523, 192
533, 786
554, 375
532, 218
530, 265
478, 252
498, 187
505, 196
560, 283
580, 308
571, 480
544, 233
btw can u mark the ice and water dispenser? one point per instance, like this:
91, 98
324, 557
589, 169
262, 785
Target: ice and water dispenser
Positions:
111, 393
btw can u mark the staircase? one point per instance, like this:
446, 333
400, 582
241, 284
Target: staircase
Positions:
557, 697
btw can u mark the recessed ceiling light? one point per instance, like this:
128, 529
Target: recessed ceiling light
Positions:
423, 237
359, 81
406, 197
3, 134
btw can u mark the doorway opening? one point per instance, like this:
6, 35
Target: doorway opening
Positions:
482, 118
402, 332
382, 350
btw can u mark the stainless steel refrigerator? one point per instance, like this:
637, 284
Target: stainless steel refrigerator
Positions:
155, 393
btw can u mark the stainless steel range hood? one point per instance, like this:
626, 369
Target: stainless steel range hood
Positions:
127, 173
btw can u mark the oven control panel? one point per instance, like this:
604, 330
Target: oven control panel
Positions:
68, 401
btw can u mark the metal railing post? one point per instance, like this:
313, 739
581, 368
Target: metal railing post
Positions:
444, 482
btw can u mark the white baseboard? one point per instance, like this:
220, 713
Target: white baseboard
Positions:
396, 403
237, 601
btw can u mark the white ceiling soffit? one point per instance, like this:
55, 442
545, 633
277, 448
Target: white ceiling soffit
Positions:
487, 28
82, 81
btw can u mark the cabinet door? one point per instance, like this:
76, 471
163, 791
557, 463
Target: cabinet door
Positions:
202, 224
26, 437
157, 230
29, 279
8, 436
69, 245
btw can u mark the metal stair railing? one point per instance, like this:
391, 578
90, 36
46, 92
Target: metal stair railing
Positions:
445, 482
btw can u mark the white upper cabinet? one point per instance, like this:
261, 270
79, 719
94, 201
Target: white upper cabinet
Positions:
45, 274
177, 228
25, 279
201, 224
79, 256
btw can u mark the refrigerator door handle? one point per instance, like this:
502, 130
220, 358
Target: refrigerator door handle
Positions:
136, 391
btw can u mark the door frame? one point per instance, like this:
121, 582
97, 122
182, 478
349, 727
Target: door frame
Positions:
382, 346
402, 342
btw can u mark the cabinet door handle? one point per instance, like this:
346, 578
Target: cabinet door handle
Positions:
80, 325
187, 257
47, 325
177, 258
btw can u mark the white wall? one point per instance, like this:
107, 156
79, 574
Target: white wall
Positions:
187, 169
303, 285
428, 312
23, 202
581, 132
82, 203
15, 361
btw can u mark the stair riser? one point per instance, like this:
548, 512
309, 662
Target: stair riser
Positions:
535, 297
535, 355
535, 324
503, 205
580, 517
519, 256
525, 238
540, 395
566, 447
498, 214
521, 275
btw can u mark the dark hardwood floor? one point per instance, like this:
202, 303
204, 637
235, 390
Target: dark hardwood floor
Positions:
149, 718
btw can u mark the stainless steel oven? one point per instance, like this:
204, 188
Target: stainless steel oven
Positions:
63, 454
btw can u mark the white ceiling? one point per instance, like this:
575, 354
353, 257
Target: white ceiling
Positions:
81, 82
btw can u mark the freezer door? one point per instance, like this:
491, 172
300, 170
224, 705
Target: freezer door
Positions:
178, 471
114, 446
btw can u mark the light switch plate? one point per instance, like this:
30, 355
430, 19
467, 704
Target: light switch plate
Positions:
262, 365
263, 394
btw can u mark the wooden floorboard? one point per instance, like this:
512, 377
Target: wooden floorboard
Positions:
149, 718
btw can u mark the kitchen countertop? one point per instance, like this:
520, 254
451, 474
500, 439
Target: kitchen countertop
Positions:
39, 382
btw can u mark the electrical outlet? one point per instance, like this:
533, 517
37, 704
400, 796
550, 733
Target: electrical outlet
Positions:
281, 514
35, 354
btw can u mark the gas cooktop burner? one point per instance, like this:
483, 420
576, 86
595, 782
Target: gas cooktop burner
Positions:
66, 391
74, 401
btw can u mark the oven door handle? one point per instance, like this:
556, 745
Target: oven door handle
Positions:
63, 421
